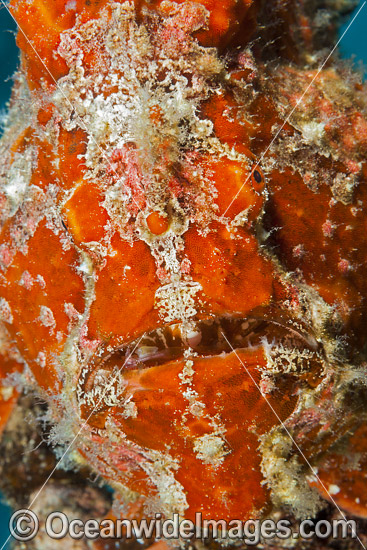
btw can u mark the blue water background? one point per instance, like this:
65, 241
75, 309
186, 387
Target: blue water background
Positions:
354, 44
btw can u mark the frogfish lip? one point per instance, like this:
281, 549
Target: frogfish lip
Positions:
172, 343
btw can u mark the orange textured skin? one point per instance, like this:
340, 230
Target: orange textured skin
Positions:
121, 293
164, 410
7, 399
143, 242
336, 271
43, 25
230, 271
32, 296
335, 470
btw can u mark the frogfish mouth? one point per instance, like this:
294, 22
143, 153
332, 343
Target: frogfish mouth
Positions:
195, 403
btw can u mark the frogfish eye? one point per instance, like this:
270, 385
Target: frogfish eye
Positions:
257, 176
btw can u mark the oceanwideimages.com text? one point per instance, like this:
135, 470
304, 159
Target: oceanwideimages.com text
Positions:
24, 526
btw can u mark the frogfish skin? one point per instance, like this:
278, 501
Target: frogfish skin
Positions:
183, 251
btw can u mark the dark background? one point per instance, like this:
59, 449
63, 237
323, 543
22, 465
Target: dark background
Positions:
354, 44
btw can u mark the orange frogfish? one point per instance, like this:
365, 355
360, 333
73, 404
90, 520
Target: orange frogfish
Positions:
183, 251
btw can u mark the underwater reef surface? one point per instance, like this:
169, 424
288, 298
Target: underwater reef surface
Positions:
183, 265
